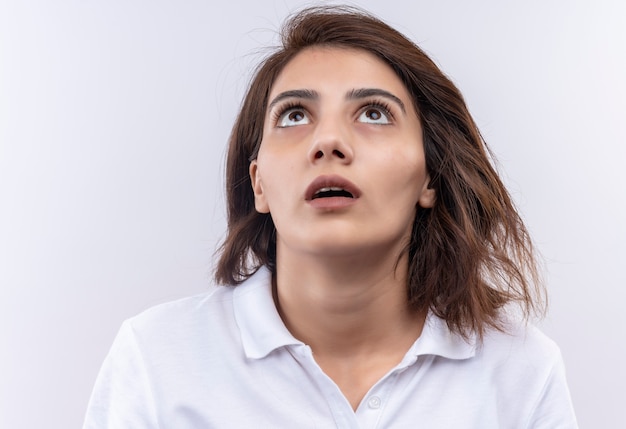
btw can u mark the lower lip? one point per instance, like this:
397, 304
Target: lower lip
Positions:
332, 202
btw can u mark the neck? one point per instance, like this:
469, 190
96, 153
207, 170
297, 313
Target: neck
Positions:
347, 306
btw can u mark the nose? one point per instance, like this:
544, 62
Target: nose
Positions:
331, 142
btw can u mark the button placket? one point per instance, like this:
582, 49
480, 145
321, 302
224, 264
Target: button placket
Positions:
338, 405
374, 402
370, 413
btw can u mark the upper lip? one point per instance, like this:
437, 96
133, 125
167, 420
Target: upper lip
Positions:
331, 181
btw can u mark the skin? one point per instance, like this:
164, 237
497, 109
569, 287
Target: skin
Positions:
341, 275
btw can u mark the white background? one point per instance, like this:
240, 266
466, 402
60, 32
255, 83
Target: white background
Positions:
113, 121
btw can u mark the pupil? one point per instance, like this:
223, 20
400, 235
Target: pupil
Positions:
296, 116
374, 114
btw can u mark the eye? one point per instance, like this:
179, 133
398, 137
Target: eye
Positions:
376, 114
292, 117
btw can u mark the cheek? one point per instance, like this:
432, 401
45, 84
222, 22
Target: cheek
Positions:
277, 188
405, 173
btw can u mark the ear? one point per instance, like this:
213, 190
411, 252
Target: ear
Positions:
260, 204
427, 196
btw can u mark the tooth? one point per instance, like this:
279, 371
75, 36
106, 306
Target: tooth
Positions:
328, 189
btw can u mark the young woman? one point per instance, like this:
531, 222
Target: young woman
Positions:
373, 265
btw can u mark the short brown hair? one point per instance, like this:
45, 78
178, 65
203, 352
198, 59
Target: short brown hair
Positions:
469, 254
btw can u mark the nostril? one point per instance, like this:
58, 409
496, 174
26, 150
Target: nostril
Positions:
338, 154
319, 154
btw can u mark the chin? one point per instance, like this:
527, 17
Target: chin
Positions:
339, 245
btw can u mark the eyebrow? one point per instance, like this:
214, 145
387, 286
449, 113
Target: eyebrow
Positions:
355, 94
305, 94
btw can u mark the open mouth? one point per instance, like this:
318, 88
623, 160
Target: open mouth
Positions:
333, 188
332, 191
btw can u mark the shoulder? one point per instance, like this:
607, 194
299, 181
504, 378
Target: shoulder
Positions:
181, 326
212, 318
527, 368
518, 353
523, 344
185, 310
175, 338
521, 362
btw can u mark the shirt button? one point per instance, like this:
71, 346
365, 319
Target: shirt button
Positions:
374, 402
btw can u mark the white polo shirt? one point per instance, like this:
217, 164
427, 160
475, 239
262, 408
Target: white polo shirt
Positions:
226, 360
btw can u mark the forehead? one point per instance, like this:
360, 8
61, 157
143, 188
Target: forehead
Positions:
337, 69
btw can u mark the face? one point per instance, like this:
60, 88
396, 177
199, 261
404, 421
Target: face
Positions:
341, 164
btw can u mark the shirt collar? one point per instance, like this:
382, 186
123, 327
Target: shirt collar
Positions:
263, 331
437, 339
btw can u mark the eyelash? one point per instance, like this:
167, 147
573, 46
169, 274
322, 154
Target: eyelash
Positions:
279, 112
380, 105
376, 104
